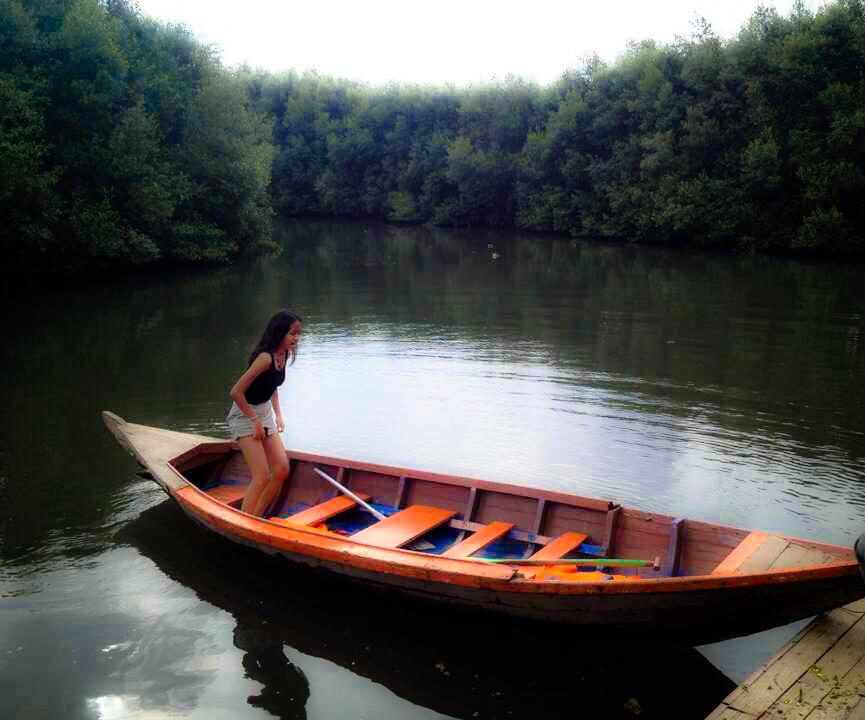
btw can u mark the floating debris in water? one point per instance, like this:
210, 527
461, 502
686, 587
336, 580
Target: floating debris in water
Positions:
633, 706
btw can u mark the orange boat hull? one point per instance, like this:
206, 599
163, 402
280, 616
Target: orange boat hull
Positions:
714, 584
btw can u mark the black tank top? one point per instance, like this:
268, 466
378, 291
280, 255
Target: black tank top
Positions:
261, 389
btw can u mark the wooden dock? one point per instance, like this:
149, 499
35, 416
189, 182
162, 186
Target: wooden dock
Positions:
818, 675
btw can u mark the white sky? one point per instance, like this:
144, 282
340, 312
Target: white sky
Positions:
441, 41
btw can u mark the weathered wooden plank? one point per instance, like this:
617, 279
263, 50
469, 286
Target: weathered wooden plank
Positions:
740, 553
764, 687
796, 555
154, 447
857, 712
765, 555
723, 712
844, 699
858, 606
822, 680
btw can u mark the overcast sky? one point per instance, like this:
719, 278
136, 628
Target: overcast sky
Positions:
441, 41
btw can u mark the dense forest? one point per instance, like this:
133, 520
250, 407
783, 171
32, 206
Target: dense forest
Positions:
124, 141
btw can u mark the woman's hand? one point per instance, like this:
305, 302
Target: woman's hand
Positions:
259, 429
280, 424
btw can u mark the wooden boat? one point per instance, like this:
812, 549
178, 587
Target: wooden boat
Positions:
860, 553
429, 665
504, 548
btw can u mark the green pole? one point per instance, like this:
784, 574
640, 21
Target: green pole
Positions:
586, 562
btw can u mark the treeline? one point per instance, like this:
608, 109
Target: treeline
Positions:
123, 140
758, 142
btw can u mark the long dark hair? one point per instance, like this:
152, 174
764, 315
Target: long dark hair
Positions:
277, 328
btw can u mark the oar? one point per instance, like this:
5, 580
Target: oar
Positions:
348, 492
579, 562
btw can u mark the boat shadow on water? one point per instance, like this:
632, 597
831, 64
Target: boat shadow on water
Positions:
456, 662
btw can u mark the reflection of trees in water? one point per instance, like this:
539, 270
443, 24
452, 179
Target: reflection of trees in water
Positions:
780, 338
750, 344
286, 689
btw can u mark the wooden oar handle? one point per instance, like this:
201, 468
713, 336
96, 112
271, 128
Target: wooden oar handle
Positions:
375, 513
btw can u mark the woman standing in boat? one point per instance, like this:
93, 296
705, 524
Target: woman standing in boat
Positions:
255, 418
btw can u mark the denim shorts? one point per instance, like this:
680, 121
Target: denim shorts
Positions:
241, 426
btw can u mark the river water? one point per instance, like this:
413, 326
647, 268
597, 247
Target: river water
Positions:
715, 387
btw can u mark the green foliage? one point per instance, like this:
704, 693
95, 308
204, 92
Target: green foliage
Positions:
123, 141
402, 207
758, 143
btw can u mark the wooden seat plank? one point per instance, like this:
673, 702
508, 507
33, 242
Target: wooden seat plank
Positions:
479, 540
766, 555
797, 555
758, 548
401, 528
324, 511
560, 547
228, 494
554, 550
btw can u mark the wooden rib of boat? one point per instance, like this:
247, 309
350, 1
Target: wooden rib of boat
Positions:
505, 548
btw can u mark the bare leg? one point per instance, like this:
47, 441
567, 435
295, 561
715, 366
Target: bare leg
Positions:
256, 459
278, 461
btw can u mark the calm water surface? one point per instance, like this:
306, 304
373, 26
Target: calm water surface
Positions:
721, 388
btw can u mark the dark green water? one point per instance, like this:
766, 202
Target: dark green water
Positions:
721, 388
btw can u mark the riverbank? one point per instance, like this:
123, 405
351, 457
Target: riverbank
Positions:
752, 143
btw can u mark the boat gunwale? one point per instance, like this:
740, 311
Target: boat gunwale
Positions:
514, 582
579, 501
209, 445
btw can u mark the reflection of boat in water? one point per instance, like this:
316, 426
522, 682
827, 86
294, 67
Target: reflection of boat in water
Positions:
505, 549
452, 662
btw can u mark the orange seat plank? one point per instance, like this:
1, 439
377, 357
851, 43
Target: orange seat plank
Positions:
228, 494
483, 537
326, 510
741, 553
404, 526
560, 547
